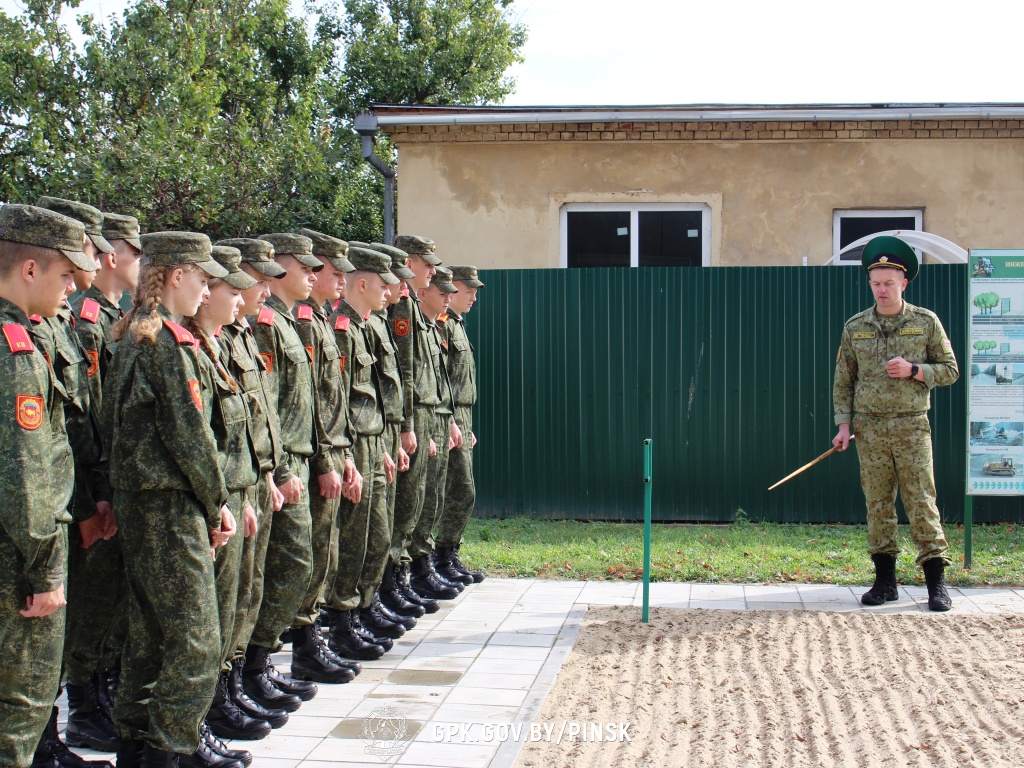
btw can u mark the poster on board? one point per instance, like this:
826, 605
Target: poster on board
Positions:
995, 405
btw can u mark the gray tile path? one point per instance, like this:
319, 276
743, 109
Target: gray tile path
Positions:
455, 691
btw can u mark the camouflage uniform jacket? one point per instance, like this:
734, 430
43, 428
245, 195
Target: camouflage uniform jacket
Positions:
36, 481
419, 380
246, 366
359, 378
389, 372
330, 402
96, 315
230, 421
861, 384
156, 419
289, 380
439, 359
461, 365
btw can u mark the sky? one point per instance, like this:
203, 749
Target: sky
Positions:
745, 52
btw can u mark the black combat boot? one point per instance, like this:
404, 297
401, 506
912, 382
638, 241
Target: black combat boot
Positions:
372, 619
395, 618
313, 660
391, 594
426, 582
273, 717
334, 618
129, 753
157, 758
429, 605
88, 726
884, 589
221, 748
935, 579
446, 568
301, 688
206, 756
257, 682
106, 689
354, 666
228, 721
459, 566
367, 634
346, 642
443, 578
51, 752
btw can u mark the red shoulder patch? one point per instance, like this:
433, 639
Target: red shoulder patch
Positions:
341, 323
90, 310
266, 316
29, 413
94, 361
180, 334
17, 337
402, 327
268, 361
197, 397
304, 312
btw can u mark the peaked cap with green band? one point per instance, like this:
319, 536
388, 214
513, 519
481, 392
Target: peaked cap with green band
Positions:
173, 249
297, 246
43, 228
230, 258
258, 254
117, 226
891, 252
333, 249
91, 218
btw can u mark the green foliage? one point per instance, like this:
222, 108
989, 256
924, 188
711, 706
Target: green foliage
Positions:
230, 117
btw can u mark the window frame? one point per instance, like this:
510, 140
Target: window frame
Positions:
838, 214
634, 210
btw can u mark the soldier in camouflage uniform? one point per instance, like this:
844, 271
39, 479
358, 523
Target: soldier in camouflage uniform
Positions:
289, 560
172, 505
890, 358
460, 491
332, 464
39, 253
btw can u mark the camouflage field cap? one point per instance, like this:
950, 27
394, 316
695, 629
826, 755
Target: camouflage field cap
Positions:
297, 246
415, 245
889, 251
330, 248
44, 228
442, 280
230, 258
466, 275
399, 260
369, 260
258, 254
91, 217
119, 227
173, 249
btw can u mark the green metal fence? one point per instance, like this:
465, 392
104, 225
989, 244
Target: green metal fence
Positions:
729, 370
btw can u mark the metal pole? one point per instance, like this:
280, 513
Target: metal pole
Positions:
648, 482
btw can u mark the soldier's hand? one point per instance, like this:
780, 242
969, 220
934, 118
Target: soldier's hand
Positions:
409, 442
389, 468
90, 531
432, 450
106, 512
455, 436
352, 488
276, 497
403, 460
249, 521
43, 604
898, 368
292, 491
842, 440
219, 536
330, 485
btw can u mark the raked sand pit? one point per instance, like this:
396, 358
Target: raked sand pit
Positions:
790, 688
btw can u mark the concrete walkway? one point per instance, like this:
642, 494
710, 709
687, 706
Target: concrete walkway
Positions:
463, 687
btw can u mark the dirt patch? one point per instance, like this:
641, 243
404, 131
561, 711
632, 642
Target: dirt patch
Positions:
790, 688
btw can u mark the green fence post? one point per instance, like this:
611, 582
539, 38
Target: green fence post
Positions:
968, 530
648, 481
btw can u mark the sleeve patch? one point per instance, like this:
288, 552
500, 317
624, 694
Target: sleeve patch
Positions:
402, 327
180, 334
17, 338
29, 411
197, 397
90, 310
268, 361
266, 316
94, 361
947, 345
341, 323
305, 312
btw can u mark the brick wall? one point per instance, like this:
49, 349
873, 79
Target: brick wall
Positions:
711, 131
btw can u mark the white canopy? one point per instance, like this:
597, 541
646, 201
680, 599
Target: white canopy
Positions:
943, 250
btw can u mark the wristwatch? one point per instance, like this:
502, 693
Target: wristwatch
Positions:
913, 370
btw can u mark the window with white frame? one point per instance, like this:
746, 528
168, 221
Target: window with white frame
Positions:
851, 225
635, 235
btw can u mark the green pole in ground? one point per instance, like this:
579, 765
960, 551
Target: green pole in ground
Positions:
648, 481
968, 530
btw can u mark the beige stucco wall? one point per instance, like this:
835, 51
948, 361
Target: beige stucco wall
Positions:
496, 205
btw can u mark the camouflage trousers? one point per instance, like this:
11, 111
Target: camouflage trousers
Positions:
354, 524
380, 522
30, 654
227, 571
288, 565
422, 542
460, 488
411, 488
253, 560
97, 619
898, 452
324, 531
392, 442
172, 657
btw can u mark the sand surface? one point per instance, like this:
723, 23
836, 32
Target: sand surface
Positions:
789, 688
